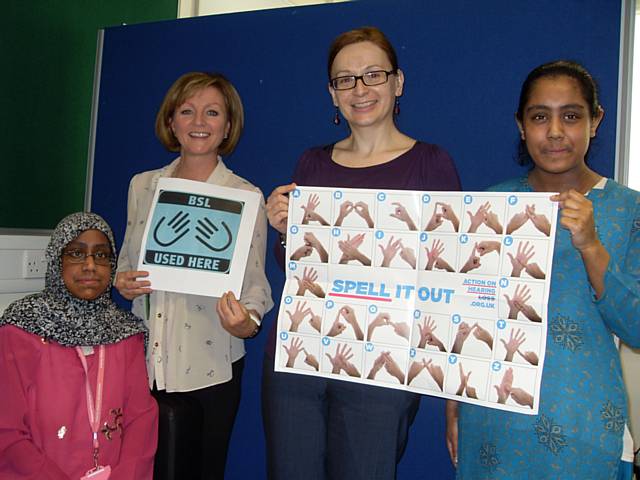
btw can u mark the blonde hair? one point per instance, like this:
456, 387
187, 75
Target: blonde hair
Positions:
186, 87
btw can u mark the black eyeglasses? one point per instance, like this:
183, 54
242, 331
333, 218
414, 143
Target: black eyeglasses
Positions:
370, 79
79, 256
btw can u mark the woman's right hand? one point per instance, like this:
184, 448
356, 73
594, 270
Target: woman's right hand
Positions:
129, 286
278, 207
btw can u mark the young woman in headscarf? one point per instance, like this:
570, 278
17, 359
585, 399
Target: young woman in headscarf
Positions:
73, 378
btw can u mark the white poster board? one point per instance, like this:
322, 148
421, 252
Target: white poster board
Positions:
440, 293
197, 237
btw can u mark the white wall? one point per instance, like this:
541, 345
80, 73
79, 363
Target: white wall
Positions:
630, 357
195, 8
634, 144
631, 370
22, 265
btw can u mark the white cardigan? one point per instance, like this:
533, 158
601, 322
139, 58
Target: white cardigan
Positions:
188, 348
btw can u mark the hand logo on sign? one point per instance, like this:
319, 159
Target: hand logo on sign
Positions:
208, 230
176, 228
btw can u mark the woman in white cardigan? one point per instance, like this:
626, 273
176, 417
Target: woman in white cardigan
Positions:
196, 343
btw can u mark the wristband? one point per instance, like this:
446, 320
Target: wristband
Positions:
254, 318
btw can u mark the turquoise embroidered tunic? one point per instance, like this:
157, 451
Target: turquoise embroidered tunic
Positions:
583, 405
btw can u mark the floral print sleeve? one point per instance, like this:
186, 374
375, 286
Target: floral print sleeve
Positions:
620, 304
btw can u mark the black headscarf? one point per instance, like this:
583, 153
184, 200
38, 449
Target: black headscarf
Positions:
56, 314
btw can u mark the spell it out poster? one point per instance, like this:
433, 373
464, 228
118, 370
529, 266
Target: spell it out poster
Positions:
440, 293
197, 237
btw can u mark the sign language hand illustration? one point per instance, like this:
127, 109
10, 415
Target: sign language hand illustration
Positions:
293, 350
349, 248
310, 214
539, 220
504, 389
518, 303
362, 209
345, 209
465, 387
516, 339
342, 361
207, 229
442, 211
401, 213
434, 257
521, 259
484, 216
427, 337
435, 371
175, 231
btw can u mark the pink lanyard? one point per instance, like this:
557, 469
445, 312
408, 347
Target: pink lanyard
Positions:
94, 409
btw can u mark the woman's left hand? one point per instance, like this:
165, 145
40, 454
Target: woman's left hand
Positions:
576, 215
234, 317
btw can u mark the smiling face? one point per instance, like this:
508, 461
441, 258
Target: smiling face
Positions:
365, 106
87, 280
557, 125
201, 123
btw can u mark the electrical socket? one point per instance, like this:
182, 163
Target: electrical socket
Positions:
34, 264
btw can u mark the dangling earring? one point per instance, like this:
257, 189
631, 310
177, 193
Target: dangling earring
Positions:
396, 107
336, 118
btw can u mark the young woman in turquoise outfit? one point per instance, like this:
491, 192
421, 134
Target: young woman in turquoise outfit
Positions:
595, 294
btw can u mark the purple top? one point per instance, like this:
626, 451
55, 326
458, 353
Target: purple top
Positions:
423, 167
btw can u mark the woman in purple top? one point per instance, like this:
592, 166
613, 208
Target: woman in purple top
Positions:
319, 428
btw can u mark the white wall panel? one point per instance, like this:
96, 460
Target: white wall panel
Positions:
22, 266
196, 8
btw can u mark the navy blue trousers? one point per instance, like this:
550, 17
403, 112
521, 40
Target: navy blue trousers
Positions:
318, 429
